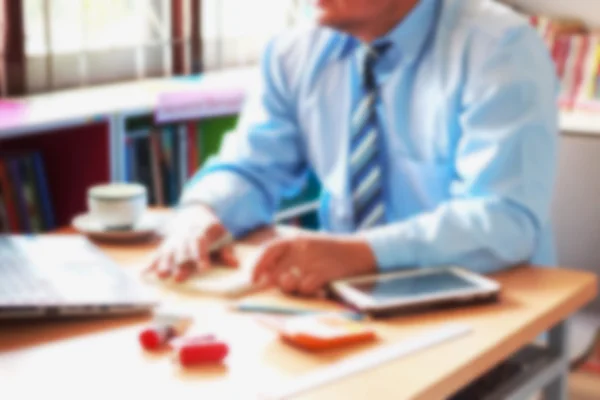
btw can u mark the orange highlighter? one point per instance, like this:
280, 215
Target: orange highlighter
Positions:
323, 331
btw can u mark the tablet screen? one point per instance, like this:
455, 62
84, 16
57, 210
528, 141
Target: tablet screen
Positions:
416, 285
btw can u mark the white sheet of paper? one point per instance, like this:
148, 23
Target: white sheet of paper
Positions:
220, 280
365, 361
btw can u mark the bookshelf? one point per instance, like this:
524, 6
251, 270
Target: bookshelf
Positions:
580, 123
173, 150
86, 136
91, 127
575, 50
72, 159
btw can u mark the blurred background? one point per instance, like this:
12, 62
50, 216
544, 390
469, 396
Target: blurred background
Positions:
68, 43
145, 90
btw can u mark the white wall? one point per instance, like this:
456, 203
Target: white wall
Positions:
576, 210
586, 10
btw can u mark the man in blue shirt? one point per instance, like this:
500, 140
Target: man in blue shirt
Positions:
431, 125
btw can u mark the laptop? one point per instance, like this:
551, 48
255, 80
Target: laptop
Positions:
64, 275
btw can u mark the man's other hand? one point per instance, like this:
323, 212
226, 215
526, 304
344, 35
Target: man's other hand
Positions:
186, 247
305, 264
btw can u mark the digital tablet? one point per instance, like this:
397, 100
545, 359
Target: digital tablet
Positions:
415, 289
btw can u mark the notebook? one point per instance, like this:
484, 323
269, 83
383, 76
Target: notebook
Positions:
220, 280
226, 281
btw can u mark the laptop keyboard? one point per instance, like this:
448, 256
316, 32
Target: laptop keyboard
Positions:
19, 283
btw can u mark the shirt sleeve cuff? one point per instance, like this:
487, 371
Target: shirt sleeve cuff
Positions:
240, 207
392, 251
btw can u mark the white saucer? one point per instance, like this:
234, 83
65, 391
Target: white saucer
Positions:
151, 224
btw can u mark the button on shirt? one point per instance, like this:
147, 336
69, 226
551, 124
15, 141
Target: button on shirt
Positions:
468, 116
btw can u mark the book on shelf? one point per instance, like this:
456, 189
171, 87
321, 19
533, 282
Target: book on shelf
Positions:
25, 203
163, 156
153, 157
165, 149
576, 53
205, 96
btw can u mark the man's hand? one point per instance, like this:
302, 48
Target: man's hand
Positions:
186, 248
305, 264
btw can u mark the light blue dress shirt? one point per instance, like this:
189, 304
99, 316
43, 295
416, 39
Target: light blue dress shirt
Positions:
469, 123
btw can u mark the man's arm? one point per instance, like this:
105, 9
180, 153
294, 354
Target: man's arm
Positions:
505, 165
258, 162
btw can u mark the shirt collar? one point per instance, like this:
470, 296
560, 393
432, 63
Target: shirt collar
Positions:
407, 38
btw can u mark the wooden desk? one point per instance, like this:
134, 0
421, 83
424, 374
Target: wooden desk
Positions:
102, 359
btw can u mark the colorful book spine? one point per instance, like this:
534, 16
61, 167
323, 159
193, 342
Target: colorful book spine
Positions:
155, 168
200, 150
192, 148
594, 69
14, 170
168, 177
31, 193
172, 177
143, 167
43, 192
182, 156
128, 160
9, 198
596, 91
211, 132
576, 54
4, 227
579, 52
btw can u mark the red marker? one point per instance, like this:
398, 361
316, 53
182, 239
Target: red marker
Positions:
156, 336
202, 350
163, 329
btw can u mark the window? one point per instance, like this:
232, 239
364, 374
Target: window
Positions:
236, 31
72, 43
83, 42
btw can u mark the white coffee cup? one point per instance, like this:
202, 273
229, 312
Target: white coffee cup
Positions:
117, 206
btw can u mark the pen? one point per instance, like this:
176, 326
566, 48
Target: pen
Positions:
225, 240
266, 309
269, 309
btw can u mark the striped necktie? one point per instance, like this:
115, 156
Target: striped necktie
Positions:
366, 170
